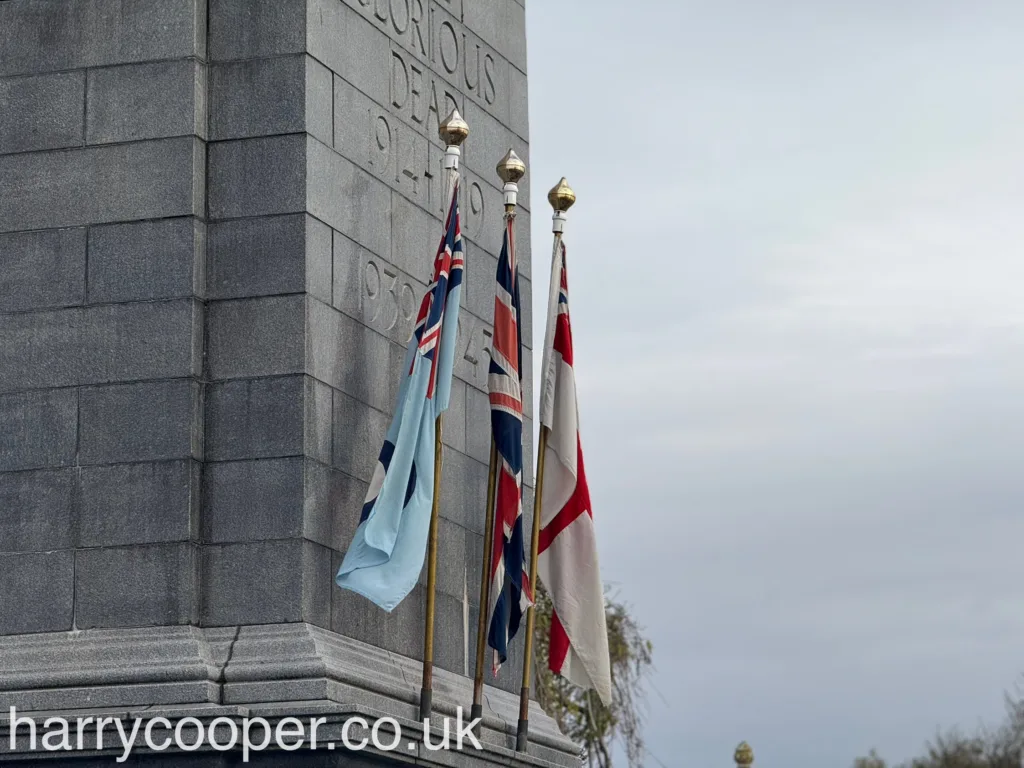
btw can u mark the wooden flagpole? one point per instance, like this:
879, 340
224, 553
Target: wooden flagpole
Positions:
453, 131
510, 170
561, 198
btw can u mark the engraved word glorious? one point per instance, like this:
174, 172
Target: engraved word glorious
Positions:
443, 44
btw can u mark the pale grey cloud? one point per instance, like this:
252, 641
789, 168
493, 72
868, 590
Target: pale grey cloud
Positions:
797, 271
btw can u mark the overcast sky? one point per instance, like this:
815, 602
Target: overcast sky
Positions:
797, 288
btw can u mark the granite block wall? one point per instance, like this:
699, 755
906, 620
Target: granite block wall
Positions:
102, 228
216, 221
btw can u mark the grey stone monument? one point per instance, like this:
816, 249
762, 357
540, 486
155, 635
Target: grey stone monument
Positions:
216, 220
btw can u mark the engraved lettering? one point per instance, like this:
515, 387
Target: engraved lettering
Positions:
471, 72
390, 282
371, 282
388, 300
453, 52
450, 103
407, 169
398, 152
416, 17
416, 90
431, 34
476, 346
381, 143
471, 355
490, 92
449, 48
485, 351
434, 107
404, 27
399, 81
407, 308
476, 206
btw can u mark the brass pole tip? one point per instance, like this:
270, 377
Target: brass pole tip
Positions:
561, 196
744, 755
511, 169
453, 130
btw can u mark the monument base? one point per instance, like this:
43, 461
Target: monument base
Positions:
267, 671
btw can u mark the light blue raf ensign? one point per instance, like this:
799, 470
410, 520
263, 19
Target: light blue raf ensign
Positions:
386, 556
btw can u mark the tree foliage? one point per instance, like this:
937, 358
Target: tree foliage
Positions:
580, 714
1002, 747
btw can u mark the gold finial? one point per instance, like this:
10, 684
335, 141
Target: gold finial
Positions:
453, 130
561, 196
744, 756
511, 169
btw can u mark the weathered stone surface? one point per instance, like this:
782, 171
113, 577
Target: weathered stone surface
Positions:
452, 633
52, 35
256, 337
152, 340
255, 418
346, 505
356, 285
350, 357
162, 579
38, 429
41, 112
240, 667
358, 435
350, 47
502, 23
41, 349
253, 500
146, 101
147, 503
400, 631
319, 260
414, 241
326, 194
391, 150
347, 198
317, 584
147, 260
478, 419
269, 255
255, 177
519, 108
38, 592
266, 418
253, 583
434, 48
464, 490
258, 97
319, 101
244, 29
454, 432
454, 575
140, 422
141, 180
37, 509
42, 269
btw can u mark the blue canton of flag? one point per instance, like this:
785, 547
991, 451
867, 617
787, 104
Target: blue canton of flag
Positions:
510, 584
386, 556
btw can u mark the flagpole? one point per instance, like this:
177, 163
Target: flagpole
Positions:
510, 170
561, 198
477, 709
453, 131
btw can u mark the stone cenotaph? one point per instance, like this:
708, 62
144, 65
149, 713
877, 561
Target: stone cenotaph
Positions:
216, 220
